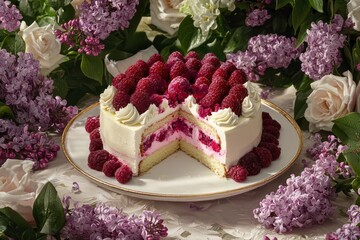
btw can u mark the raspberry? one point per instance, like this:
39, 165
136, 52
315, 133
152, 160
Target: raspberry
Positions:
159, 68
110, 167
220, 73
141, 100
210, 99
154, 58
120, 100
138, 70
251, 163
126, 85
215, 146
237, 173
95, 144
118, 78
193, 64
92, 123
204, 112
146, 85
179, 69
94, 134
220, 86
202, 80
199, 91
213, 60
239, 91
191, 54
206, 70
123, 174
271, 122
237, 77
231, 101
229, 67
264, 155
159, 83
275, 150
207, 55
267, 137
176, 54
179, 88
272, 130
156, 99
96, 159
266, 115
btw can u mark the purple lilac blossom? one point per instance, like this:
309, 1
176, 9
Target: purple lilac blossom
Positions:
323, 51
101, 17
257, 18
350, 231
29, 95
9, 16
265, 51
106, 222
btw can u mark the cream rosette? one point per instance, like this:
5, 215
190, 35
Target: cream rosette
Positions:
332, 97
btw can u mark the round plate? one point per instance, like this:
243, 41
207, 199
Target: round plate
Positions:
180, 177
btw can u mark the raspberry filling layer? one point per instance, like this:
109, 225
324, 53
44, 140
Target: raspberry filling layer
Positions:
180, 129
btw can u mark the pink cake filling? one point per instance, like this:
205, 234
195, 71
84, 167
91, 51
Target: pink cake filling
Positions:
180, 130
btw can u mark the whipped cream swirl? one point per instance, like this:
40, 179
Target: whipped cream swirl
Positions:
106, 98
191, 106
224, 117
128, 115
248, 107
147, 116
253, 92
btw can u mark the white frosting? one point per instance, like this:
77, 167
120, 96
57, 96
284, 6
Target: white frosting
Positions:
106, 98
128, 115
224, 117
248, 108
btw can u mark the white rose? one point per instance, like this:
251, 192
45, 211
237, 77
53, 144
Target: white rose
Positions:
43, 45
165, 15
357, 104
332, 97
17, 188
353, 8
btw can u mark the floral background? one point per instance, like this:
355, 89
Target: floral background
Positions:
56, 54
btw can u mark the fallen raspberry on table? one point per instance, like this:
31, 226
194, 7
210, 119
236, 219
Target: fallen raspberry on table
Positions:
251, 162
266, 115
123, 174
272, 130
264, 155
271, 122
213, 60
267, 137
275, 150
159, 68
118, 78
141, 101
191, 54
126, 85
231, 101
120, 100
154, 58
92, 123
202, 80
110, 167
210, 99
239, 91
95, 134
237, 173
179, 88
193, 64
237, 77
179, 69
95, 144
96, 159
206, 70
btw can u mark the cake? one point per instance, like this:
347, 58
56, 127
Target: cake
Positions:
202, 107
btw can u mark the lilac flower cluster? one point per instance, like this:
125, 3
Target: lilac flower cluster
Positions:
265, 51
323, 51
350, 230
28, 94
257, 17
100, 17
16, 141
106, 222
9, 16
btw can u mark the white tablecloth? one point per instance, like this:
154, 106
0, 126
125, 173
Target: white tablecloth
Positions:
228, 218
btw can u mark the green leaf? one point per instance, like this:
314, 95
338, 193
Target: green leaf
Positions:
6, 112
317, 5
135, 20
281, 3
356, 184
61, 87
48, 211
15, 224
300, 11
279, 22
66, 13
238, 40
190, 37
119, 55
14, 44
135, 42
55, 4
31, 8
92, 67
300, 103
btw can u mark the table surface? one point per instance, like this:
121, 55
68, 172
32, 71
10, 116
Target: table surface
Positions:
228, 218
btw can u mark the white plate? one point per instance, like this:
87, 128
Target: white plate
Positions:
180, 177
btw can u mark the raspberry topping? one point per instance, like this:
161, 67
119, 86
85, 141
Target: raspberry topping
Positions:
159, 68
138, 70
176, 55
154, 58
251, 162
229, 67
123, 174
179, 69
92, 123
94, 134
231, 101
95, 144
110, 167
220, 72
96, 159
147, 85
199, 91
141, 100
126, 85
237, 173
118, 78
191, 54
211, 60
204, 111
210, 99
237, 77
120, 100
206, 70
264, 155
202, 80
179, 88
156, 99
239, 91
275, 150
220, 86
